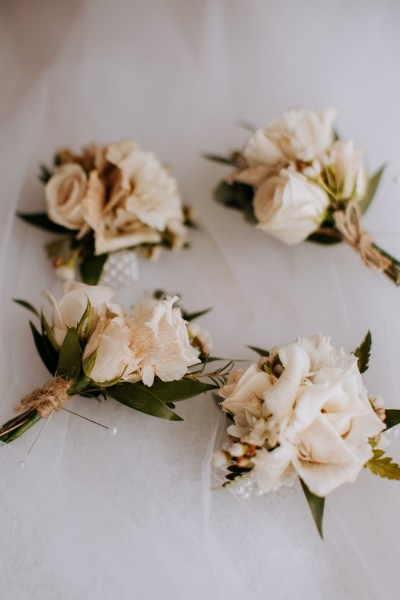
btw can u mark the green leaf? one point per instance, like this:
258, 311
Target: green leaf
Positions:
219, 159
383, 466
26, 305
363, 352
372, 186
174, 391
259, 351
392, 417
86, 321
326, 239
316, 504
143, 399
89, 362
70, 358
47, 332
42, 221
195, 315
91, 268
238, 196
46, 352
45, 174
79, 385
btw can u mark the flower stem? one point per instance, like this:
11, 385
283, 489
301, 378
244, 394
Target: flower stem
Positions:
17, 426
393, 271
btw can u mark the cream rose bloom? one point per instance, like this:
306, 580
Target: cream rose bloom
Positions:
64, 193
68, 311
289, 207
313, 421
108, 354
348, 168
161, 340
297, 135
138, 206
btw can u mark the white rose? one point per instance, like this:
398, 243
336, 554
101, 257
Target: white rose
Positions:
348, 168
298, 135
314, 421
141, 202
68, 311
161, 340
64, 193
108, 354
289, 207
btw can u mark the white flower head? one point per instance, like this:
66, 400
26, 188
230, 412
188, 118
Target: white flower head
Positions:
314, 420
161, 340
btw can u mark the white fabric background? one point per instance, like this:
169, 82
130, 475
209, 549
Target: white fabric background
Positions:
133, 516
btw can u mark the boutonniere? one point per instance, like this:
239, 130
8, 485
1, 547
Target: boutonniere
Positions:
147, 359
297, 181
302, 412
105, 200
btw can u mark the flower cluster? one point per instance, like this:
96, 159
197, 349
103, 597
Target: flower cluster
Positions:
92, 347
298, 181
302, 411
110, 198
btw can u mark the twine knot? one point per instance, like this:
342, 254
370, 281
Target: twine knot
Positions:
348, 223
45, 400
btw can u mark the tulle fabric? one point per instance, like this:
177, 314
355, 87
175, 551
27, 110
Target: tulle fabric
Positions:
136, 515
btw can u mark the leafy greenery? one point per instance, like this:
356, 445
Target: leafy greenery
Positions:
238, 196
316, 504
392, 417
195, 315
372, 186
70, 357
325, 236
383, 465
44, 173
143, 399
42, 221
91, 268
363, 352
235, 473
27, 305
259, 351
45, 349
174, 391
220, 159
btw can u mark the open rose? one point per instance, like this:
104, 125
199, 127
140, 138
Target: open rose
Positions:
289, 207
65, 192
297, 135
314, 420
132, 202
161, 340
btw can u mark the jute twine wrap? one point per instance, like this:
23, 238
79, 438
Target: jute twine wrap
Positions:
349, 225
47, 399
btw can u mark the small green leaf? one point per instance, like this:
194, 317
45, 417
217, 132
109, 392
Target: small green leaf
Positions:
325, 238
142, 398
45, 174
259, 351
46, 352
219, 159
383, 466
85, 323
363, 352
70, 358
238, 196
26, 305
91, 268
79, 385
392, 417
316, 504
195, 315
89, 362
42, 221
372, 186
47, 332
174, 391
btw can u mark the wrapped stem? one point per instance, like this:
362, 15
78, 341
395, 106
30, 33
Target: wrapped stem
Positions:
17, 426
